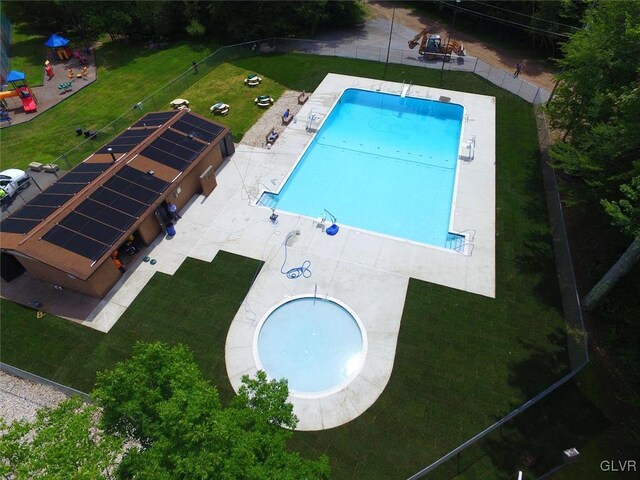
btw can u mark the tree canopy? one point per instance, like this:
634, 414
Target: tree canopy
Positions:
159, 399
597, 102
62, 442
166, 20
597, 106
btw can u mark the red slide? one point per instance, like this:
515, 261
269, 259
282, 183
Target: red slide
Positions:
28, 103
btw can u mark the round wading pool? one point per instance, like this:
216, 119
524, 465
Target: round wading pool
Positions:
317, 344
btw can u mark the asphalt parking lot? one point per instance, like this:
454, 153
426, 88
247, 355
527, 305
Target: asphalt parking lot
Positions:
39, 181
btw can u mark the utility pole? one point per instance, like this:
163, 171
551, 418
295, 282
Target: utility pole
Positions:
444, 55
386, 64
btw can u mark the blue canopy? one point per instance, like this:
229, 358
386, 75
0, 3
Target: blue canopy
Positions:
15, 76
56, 41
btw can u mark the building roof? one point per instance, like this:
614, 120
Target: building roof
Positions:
75, 224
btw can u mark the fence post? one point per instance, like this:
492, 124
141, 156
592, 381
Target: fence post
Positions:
504, 75
66, 160
475, 67
536, 96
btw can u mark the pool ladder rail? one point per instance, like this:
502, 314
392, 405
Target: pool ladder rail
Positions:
313, 120
405, 89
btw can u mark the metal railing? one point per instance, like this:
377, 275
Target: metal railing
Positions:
32, 377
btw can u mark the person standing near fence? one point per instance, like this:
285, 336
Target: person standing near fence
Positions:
195, 67
518, 70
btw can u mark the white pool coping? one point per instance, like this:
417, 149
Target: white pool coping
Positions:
366, 271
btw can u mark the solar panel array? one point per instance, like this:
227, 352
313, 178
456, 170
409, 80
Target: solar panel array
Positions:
41, 206
126, 141
129, 139
176, 150
154, 119
95, 225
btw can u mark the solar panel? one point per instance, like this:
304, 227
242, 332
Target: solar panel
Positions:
131, 190
181, 152
142, 132
85, 167
143, 179
183, 141
164, 158
91, 228
49, 200
75, 242
154, 119
126, 141
34, 213
189, 129
65, 188
212, 128
17, 225
116, 148
80, 177
105, 214
119, 202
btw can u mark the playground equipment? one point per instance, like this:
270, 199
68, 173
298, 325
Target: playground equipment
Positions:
253, 80
48, 69
22, 90
263, 101
59, 47
431, 45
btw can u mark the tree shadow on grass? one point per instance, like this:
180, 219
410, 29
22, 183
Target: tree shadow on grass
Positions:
534, 441
536, 259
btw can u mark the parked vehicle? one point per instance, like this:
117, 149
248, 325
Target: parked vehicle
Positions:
12, 181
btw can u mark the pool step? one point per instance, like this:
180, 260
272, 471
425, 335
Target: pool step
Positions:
268, 200
455, 242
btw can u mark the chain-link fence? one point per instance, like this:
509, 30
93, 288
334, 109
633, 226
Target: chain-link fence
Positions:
470, 452
160, 99
516, 85
504, 439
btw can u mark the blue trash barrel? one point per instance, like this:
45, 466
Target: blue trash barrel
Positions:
171, 230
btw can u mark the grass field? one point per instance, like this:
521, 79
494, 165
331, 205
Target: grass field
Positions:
462, 360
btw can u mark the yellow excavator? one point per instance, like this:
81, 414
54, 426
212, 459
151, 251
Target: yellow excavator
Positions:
431, 45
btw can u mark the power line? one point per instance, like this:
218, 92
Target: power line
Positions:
508, 22
525, 15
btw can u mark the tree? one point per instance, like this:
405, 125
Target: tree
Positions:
625, 214
61, 443
597, 105
159, 399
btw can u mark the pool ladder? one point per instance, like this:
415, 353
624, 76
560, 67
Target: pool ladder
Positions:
313, 118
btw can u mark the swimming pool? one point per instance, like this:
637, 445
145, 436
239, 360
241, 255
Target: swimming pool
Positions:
382, 163
315, 343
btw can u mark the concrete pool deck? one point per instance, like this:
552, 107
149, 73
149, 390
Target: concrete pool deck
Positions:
368, 272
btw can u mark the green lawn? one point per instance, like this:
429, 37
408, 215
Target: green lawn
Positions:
126, 75
195, 307
28, 54
462, 360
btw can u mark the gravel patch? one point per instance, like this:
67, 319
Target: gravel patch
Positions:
19, 399
272, 118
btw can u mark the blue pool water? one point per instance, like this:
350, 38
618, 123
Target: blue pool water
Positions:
314, 343
381, 163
